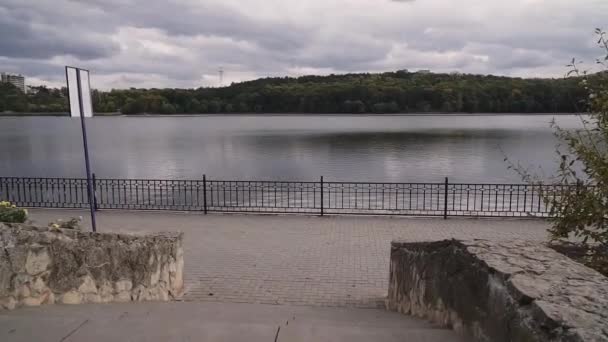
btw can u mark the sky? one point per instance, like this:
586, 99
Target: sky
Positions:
184, 43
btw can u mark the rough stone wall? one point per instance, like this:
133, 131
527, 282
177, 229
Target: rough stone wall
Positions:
499, 291
47, 266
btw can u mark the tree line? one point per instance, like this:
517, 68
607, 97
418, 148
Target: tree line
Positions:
390, 92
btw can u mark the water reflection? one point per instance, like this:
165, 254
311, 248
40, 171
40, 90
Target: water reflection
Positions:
386, 148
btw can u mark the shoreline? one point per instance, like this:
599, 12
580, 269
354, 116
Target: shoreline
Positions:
20, 115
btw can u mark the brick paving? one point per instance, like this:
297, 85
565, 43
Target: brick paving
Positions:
297, 260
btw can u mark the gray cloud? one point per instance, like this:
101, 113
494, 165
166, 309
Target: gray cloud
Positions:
183, 43
21, 38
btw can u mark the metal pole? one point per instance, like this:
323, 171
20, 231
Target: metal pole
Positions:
445, 200
321, 195
86, 153
205, 194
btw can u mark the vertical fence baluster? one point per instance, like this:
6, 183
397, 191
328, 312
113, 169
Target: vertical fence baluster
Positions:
211, 193
496, 199
321, 195
540, 191
5, 195
205, 194
341, 197
369, 197
314, 195
329, 195
137, 184
510, 198
423, 197
237, 187
149, 202
481, 189
445, 200
94, 191
525, 200
454, 198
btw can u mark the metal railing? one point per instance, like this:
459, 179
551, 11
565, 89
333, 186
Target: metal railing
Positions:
321, 197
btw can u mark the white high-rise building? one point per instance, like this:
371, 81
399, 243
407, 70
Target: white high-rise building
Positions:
16, 80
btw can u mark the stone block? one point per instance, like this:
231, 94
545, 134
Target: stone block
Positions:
16, 255
123, 285
106, 298
176, 275
92, 298
106, 289
499, 291
43, 266
71, 297
49, 298
163, 295
38, 285
8, 303
164, 274
155, 276
6, 275
88, 286
37, 261
23, 291
32, 301
123, 297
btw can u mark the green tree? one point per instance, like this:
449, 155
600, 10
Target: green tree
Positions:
387, 92
167, 108
12, 99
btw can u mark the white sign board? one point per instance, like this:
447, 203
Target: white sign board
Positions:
79, 89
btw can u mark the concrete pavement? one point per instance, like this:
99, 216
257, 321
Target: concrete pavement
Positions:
212, 322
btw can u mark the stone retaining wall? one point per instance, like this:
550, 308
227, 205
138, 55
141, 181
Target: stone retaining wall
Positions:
499, 291
47, 265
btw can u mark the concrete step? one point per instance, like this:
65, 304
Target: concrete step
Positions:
196, 321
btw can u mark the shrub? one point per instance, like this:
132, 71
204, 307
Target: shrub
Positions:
11, 214
580, 207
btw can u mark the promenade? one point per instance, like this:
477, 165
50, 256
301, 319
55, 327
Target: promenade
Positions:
340, 261
263, 278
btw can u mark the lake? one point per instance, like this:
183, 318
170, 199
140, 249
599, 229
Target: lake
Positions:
391, 148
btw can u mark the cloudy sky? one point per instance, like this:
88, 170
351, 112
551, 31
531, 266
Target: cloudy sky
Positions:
183, 43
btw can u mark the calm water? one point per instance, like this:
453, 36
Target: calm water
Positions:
349, 148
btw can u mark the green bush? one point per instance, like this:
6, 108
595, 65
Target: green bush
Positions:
11, 214
579, 209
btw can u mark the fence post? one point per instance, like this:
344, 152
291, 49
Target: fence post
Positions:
445, 200
321, 195
95, 207
205, 194
5, 182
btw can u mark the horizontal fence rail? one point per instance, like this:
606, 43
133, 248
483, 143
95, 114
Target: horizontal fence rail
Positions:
321, 197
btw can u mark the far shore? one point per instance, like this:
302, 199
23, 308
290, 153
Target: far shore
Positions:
17, 115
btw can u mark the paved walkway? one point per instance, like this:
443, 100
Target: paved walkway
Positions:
297, 260
211, 322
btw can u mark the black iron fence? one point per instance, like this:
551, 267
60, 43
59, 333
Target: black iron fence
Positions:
321, 197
